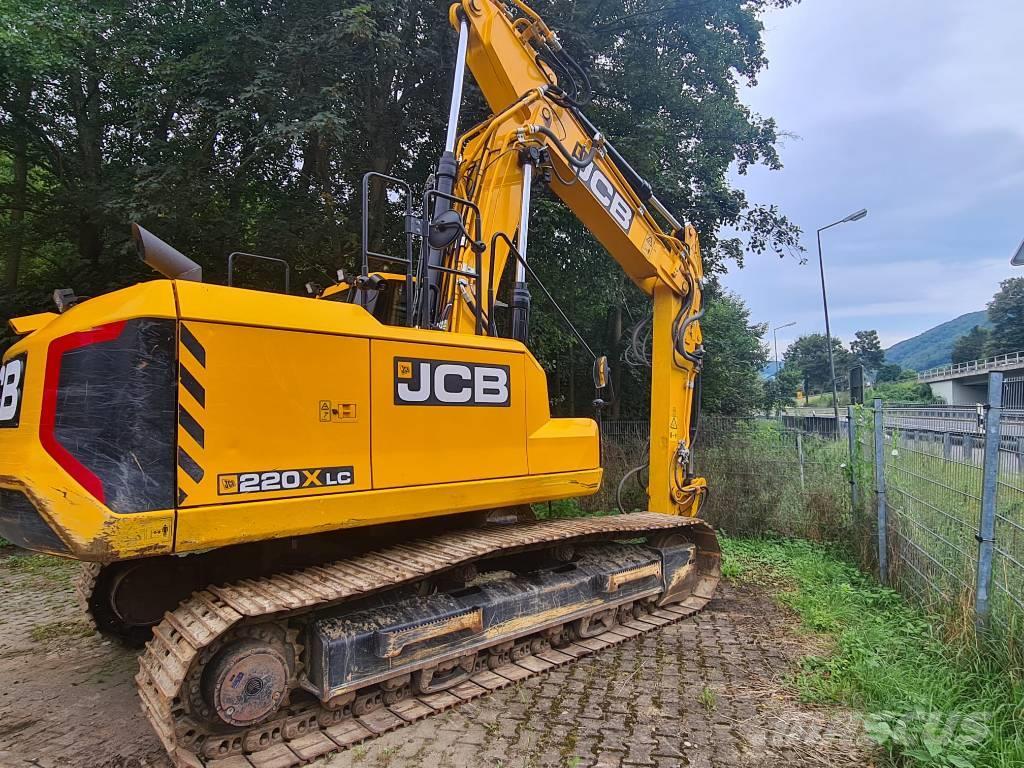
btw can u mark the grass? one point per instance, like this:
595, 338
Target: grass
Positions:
4, 542
927, 700
45, 566
707, 699
60, 630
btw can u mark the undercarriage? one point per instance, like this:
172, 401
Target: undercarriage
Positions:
281, 669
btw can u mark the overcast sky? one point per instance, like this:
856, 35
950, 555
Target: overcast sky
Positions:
913, 109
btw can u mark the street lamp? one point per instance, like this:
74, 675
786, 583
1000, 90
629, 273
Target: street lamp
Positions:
776, 339
824, 301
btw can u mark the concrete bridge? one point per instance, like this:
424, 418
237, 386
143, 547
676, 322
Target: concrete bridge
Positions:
966, 383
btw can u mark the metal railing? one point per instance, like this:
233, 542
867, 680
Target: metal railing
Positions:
999, 362
1013, 393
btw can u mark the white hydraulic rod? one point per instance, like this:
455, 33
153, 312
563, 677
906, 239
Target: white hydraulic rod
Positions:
460, 74
521, 290
524, 223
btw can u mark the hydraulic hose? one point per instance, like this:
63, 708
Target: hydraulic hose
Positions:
580, 163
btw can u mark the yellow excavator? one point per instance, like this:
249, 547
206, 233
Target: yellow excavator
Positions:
315, 513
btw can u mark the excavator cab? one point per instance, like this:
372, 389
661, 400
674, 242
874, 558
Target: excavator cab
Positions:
382, 294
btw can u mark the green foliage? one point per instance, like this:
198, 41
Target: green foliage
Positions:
780, 390
735, 356
935, 346
707, 699
759, 485
907, 391
973, 345
893, 372
926, 702
866, 350
809, 354
1006, 313
247, 126
560, 508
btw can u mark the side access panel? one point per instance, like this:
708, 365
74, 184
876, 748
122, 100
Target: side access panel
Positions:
446, 414
266, 414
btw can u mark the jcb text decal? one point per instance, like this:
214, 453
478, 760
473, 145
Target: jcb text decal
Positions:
607, 195
284, 480
445, 382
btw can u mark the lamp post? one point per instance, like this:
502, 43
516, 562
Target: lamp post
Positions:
824, 301
776, 340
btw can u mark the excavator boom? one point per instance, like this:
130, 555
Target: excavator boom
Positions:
536, 125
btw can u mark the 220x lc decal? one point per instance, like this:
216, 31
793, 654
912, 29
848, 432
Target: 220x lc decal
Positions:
284, 480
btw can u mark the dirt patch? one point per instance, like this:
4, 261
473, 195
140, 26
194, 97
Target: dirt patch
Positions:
711, 691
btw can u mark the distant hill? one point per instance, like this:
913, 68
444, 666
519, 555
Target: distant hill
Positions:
769, 370
934, 346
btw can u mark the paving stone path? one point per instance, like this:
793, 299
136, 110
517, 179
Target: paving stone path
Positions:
710, 692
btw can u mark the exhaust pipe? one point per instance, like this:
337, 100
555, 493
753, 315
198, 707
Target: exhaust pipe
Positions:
166, 260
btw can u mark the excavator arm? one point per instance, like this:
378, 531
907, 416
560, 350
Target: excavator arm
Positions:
536, 128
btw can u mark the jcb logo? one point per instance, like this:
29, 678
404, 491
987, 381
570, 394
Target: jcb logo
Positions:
605, 192
443, 382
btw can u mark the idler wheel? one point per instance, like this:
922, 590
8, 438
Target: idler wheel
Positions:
246, 682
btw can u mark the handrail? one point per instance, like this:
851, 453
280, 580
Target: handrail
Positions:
971, 366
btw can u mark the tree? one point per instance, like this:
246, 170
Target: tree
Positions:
735, 355
248, 125
780, 390
972, 345
890, 372
1006, 312
809, 355
867, 350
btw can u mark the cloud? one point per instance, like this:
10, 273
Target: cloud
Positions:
910, 109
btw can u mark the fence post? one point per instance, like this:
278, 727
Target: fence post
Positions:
800, 453
947, 445
989, 485
883, 547
851, 434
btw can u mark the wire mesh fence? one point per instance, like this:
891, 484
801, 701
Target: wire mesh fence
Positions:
1008, 558
954, 480
764, 474
932, 494
933, 481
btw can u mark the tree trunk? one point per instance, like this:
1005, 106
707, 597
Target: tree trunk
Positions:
19, 194
88, 124
614, 344
572, 361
